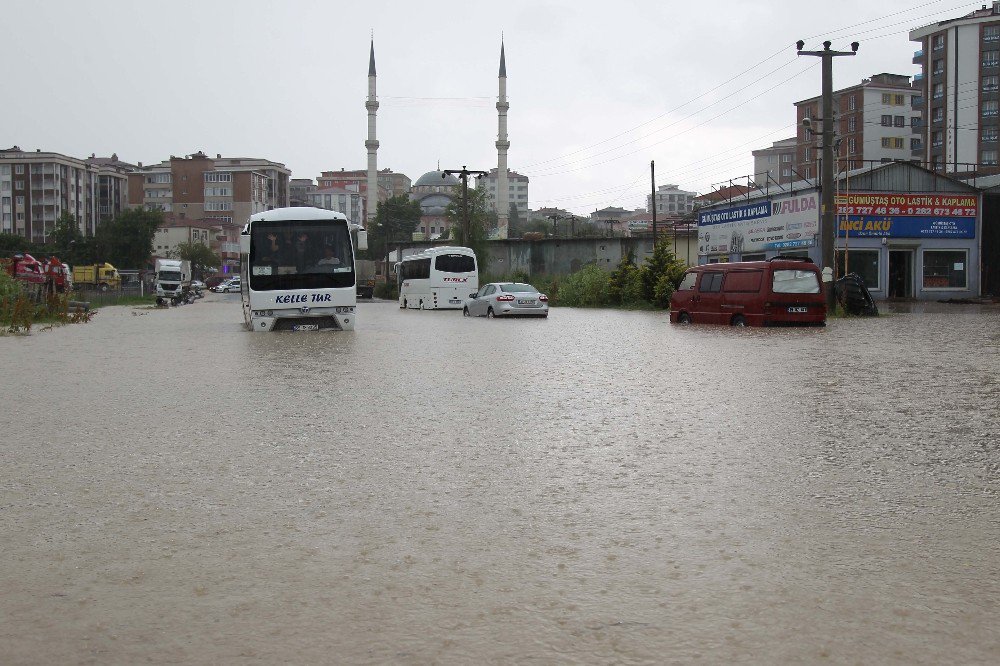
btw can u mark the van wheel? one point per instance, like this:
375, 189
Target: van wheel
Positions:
684, 318
739, 320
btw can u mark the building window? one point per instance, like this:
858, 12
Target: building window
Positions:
938, 42
852, 146
218, 205
938, 67
990, 108
891, 99
218, 177
991, 83
786, 157
938, 114
894, 142
937, 139
862, 262
852, 124
807, 154
18, 169
899, 121
990, 134
18, 184
991, 58
938, 91
914, 144
786, 172
852, 103
945, 269
887, 121
988, 158
991, 33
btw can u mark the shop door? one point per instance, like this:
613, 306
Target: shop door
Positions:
900, 274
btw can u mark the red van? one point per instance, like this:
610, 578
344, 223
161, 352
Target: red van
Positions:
783, 290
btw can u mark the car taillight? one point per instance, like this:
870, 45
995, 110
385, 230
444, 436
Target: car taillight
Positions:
505, 297
543, 297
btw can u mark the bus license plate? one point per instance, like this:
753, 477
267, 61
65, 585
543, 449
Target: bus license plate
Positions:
798, 309
455, 300
305, 327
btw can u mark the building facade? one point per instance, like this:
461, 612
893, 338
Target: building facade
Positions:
36, 188
671, 200
875, 120
776, 164
390, 183
349, 202
434, 191
517, 191
958, 91
173, 233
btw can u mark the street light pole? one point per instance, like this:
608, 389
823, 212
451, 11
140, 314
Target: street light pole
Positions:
463, 175
828, 233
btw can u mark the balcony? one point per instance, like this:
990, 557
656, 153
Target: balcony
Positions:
919, 76
917, 102
918, 55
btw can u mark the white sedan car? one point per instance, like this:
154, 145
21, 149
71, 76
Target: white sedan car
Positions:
506, 299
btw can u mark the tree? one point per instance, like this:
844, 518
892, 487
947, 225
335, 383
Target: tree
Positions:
199, 254
513, 221
127, 240
480, 220
66, 240
13, 243
395, 219
661, 274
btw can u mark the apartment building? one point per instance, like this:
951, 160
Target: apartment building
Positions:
671, 200
349, 202
112, 185
776, 164
958, 91
875, 122
300, 191
221, 192
174, 232
517, 190
390, 183
36, 188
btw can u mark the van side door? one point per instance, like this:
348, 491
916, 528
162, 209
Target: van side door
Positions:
708, 305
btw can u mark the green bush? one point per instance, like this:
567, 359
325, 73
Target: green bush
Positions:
662, 265
663, 291
588, 287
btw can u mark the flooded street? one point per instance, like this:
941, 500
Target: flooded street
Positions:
600, 487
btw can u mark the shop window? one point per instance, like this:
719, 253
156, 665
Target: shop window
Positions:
862, 262
945, 269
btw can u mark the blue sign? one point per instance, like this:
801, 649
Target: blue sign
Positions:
751, 212
899, 226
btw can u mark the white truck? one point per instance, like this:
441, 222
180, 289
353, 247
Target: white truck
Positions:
173, 281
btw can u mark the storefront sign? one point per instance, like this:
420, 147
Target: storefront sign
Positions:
767, 225
873, 215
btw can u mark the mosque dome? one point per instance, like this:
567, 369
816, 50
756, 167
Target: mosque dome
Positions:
434, 179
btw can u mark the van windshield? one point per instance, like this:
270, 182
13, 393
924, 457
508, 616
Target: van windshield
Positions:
795, 282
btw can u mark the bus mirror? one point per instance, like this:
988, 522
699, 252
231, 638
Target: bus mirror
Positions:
244, 243
362, 240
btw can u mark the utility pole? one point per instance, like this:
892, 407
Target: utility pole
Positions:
463, 175
652, 177
828, 234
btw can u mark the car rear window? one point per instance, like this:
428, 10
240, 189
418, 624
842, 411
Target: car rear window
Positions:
743, 281
795, 282
518, 288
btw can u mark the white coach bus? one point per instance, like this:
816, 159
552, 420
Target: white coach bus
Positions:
439, 278
297, 268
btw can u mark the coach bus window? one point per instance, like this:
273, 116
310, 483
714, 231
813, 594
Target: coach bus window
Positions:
455, 263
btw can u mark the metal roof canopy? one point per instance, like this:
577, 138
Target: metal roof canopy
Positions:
889, 177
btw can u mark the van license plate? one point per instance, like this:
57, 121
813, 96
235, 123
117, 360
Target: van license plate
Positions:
798, 309
305, 327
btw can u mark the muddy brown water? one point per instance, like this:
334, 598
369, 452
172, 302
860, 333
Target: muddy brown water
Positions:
601, 487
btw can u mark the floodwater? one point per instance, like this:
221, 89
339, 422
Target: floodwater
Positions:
601, 487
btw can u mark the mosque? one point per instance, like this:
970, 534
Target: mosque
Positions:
433, 191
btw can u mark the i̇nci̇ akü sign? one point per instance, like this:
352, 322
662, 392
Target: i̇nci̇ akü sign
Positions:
764, 225
875, 214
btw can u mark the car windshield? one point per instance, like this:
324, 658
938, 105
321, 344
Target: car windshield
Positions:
796, 282
518, 288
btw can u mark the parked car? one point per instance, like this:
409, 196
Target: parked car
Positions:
506, 299
782, 290
215, 280
232, 284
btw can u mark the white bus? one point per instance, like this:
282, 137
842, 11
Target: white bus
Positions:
297, 266
438, 278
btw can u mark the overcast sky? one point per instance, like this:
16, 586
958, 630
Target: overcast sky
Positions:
596, 89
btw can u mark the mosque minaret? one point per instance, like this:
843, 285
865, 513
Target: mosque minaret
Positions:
503, 194
371, 144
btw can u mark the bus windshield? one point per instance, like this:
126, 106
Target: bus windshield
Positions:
301, 254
